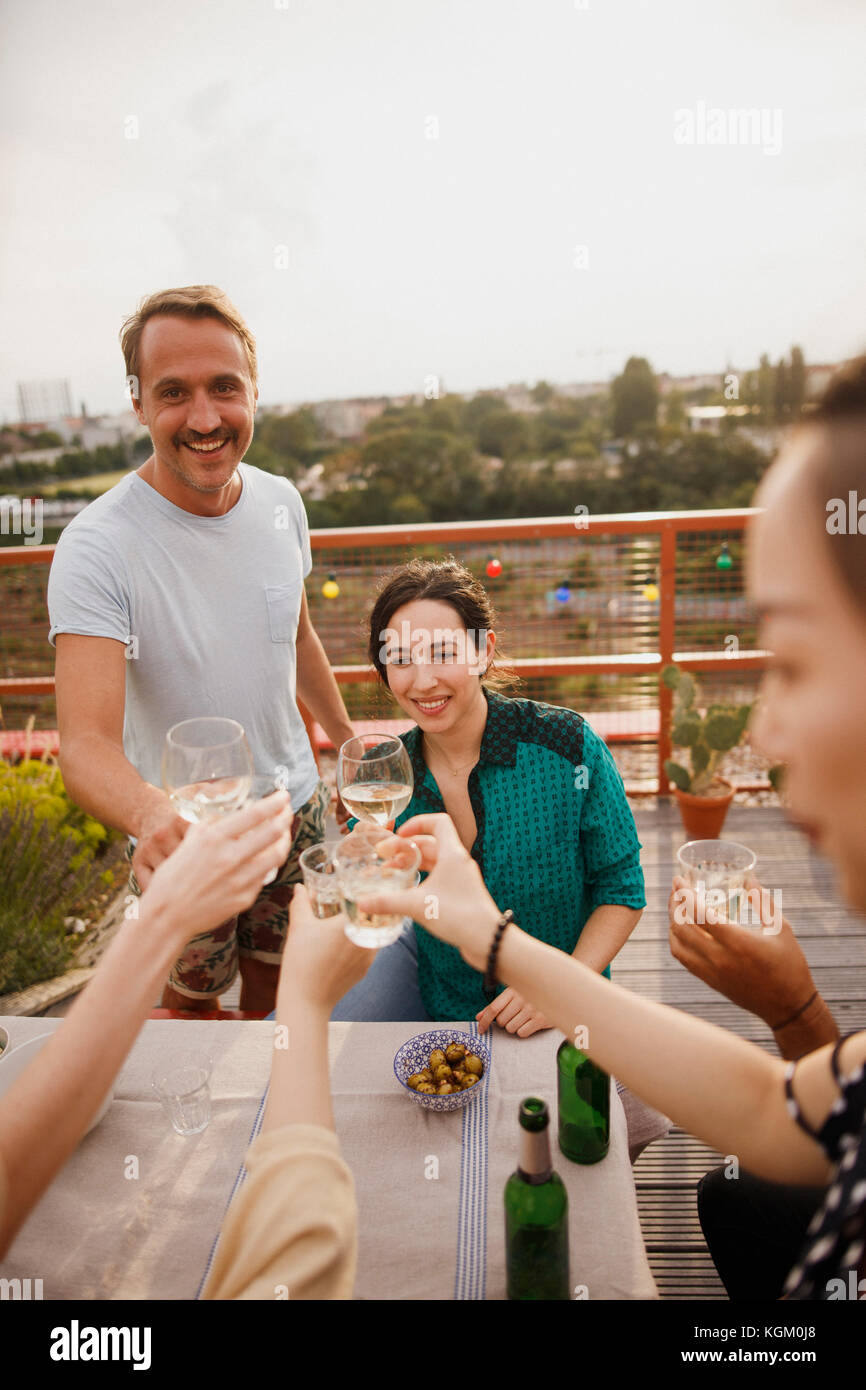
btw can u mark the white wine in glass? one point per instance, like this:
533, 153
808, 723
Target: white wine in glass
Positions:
207, 768
363, 872
206, 800
374, 778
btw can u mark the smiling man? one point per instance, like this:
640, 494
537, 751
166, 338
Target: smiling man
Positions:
179, 593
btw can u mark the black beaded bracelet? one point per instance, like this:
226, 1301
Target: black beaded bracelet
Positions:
490, 972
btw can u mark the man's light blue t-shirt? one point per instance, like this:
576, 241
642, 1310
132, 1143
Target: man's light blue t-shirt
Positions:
208, 608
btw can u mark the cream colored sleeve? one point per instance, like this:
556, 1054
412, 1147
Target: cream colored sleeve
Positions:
291, 1231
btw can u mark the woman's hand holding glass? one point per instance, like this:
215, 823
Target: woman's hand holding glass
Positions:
219, 867
763, 970
320, 963
452, 902
372, 861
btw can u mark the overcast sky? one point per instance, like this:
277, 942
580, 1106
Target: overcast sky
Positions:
307, 125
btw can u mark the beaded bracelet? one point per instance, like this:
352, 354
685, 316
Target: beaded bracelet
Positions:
490, 972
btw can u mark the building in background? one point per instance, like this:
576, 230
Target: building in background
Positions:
706, 381
43, 400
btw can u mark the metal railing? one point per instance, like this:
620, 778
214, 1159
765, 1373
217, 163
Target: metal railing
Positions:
591, 609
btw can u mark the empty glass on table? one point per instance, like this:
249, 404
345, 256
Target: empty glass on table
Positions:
182, 1086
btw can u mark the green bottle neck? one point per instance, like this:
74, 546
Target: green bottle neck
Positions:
534, 1164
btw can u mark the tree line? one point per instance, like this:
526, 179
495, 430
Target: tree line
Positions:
448, 459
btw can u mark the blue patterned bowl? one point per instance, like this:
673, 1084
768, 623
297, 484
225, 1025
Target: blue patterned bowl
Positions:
415, 1054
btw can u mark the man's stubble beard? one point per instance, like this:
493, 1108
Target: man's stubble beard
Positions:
188, 481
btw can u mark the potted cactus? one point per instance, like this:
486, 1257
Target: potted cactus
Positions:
703, 796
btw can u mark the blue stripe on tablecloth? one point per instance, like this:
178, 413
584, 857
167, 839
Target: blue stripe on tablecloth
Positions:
470, 1280
470, 1283
239, 1180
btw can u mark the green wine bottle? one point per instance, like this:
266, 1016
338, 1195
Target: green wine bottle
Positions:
583, 1094
536, 1214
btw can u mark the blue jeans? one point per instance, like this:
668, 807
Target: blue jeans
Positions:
389, 991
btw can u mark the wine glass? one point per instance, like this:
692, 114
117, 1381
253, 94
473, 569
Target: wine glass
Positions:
362, 871
374, 778
207, 767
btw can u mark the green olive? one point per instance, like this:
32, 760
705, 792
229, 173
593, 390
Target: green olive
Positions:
445, 1089
415, 1080
437, 1059
474, 1064
469, 1081
455, 1052
425, 1088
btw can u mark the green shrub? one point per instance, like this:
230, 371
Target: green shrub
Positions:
55, 862
39, 785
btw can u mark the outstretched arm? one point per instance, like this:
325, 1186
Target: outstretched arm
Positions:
717, 1086
605, 932
292, 1226
713, 1084
217, 871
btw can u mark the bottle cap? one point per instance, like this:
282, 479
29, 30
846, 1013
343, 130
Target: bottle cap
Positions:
533, 1114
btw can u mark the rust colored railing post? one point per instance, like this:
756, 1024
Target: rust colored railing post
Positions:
667, 628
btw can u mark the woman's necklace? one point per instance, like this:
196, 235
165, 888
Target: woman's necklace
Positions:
455, 771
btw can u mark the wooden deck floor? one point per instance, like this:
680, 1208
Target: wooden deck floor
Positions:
834, 941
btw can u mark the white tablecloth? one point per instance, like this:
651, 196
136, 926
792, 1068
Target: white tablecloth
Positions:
137, 1209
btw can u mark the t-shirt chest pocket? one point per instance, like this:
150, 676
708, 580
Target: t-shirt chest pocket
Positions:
284, 608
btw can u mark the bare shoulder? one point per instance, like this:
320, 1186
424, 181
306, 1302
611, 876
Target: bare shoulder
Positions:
815, 1087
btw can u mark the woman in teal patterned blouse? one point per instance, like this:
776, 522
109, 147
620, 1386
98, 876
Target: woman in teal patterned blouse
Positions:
532, 789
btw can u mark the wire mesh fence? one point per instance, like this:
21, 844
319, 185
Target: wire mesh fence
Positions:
560, 593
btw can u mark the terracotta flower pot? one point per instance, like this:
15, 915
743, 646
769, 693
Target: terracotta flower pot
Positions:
704, 816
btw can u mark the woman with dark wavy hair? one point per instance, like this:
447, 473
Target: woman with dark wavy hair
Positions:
532, 789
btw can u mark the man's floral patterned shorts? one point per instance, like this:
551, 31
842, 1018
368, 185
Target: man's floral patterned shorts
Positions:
211, 961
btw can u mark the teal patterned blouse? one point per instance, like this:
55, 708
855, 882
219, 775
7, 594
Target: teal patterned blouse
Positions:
556, 837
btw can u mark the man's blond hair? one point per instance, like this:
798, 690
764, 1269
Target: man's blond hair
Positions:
192, 301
